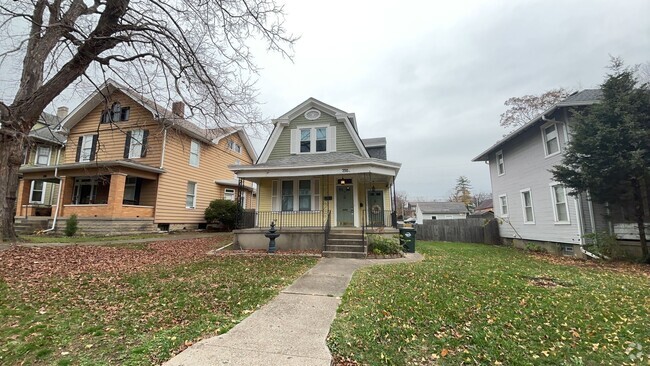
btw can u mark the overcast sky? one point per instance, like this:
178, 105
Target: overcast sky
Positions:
432, 76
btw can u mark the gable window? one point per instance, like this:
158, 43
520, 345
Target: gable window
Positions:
190, 196
321, 139
232, 145
43, 155
503, 205
86, 148
527, 206
551, 141
229, 194
135, 145
305, 140
501, 165
315, 139
195, 151
117, 113
37, 193
560, 206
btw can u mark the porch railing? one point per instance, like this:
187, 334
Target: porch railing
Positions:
328, 228
262, 219
385, 218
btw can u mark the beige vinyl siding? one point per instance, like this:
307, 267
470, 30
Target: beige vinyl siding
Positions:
344, 142
213, 165
112, 137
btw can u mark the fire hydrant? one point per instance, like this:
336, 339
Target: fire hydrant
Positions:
271, 234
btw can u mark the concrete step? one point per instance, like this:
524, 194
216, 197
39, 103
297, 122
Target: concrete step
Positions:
345, 236
345, 248
333, 254
353, 241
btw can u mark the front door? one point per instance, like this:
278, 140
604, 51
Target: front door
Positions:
344, 206
376, 208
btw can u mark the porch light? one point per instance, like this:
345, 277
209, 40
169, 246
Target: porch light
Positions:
342, 181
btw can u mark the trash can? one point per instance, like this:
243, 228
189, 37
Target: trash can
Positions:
407, 239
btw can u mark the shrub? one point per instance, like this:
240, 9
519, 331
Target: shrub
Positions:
378, 244
72, 225
602, 244
224, 212
536, 248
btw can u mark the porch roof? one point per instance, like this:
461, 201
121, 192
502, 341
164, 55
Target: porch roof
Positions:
232, 183
318, 164
90, 165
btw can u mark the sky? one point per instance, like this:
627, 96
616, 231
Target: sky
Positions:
432, 76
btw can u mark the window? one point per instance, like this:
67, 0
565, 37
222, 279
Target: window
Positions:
501, 165
527, 205
287, 195
195, 151
551, 141
229, 194
37, 194
117, 113
503, 204
43, 155
304, 195
275, 205
560, 206
232, 145
86, 148
321, 139
129, 191
85, 191
136, 141
190, 196
305, 140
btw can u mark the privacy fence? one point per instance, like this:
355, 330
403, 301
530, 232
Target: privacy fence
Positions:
471, 230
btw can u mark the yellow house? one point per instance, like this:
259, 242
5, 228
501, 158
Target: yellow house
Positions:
131, 165
322, 185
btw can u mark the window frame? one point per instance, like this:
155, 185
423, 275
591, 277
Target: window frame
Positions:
193, 194
501, 205
133, 143
234, 146
229, 191
314, 194
523, 206
38, 155
500, 172
545, 141
313, 141
42, 190
197, 153
554, 202
85, 139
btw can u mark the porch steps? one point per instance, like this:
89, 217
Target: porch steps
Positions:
345, 244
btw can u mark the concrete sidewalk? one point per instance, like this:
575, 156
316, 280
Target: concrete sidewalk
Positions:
292, 328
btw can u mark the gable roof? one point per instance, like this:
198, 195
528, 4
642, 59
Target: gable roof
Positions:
484, 205
442, 207
376, 147
347, 119
581, 98
48, 134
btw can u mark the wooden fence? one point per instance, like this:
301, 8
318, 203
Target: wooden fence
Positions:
471, 230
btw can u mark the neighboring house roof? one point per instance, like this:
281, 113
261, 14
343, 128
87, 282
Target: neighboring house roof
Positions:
207, 135
376, 147
48, 119
581, 98
442, 207
485, 205
92, 164
47, 134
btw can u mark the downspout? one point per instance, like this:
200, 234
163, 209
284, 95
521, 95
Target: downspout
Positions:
162, 155
58, 197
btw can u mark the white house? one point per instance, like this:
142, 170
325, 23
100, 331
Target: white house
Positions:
439, 211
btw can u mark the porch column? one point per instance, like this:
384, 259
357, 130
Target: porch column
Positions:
116, 194
22, 197
67, 190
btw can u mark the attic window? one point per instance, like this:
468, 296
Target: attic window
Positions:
312, 114
117, 113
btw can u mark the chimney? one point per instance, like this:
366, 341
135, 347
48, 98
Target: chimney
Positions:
61, 112
178, 108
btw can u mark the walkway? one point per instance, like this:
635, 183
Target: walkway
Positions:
292, 328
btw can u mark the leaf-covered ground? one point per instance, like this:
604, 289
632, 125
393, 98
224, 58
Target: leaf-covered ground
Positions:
132, 305
475, 304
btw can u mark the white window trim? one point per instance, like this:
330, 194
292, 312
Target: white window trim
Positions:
557, 138
49, 155
229, 190
136, 142
31, 192
196, 188
198, 153
500, 152
501, 214
312, 138
296, 193
554, 202
83, 143
523, 206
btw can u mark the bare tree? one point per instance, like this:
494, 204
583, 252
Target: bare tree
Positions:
197, 51
479, 197
525, 108
401, 198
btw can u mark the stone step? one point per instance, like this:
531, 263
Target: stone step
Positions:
333, 254
345, 248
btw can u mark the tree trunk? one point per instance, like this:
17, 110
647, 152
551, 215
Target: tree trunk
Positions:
640, 218
11, 157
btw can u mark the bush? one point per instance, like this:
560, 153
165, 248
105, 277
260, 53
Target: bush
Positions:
535, 248
378, 244
224, 212
72, 225
602, 244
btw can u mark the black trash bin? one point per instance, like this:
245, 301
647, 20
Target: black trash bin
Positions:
407, 239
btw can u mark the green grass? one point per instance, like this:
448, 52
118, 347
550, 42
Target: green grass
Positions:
135, 319
475, 304
83, 239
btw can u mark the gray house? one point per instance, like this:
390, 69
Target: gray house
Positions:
530, 205
439, 211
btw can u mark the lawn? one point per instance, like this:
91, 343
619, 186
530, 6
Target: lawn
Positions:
97, 305
475, 304
85, 239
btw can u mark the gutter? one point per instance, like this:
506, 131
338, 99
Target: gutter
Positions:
58, 197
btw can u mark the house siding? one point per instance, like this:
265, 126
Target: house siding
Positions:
344, 142
527, 167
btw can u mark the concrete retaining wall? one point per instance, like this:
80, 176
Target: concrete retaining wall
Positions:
289, 239
107, 226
